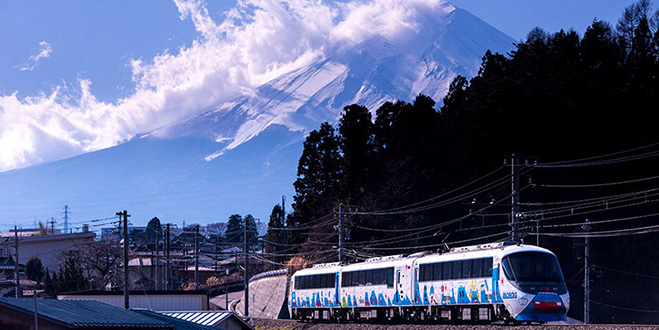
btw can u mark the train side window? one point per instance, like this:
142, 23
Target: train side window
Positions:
390, 277
446, 270
368, 277
457, 270
488, 263
436, 271
362, 277
355, 278
344, 279
467, 268
297, 283
477, 268
377, 276
331, 280
427, 273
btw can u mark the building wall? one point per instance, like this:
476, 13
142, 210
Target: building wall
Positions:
13, 320
47, 247
160, 303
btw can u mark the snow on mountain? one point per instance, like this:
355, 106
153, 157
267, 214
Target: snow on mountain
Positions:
241, 156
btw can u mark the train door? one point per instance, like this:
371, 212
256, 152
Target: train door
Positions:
415, 281
404, 285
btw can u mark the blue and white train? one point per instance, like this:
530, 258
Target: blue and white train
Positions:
484, 283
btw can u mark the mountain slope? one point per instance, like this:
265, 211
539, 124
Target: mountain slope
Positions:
241, 156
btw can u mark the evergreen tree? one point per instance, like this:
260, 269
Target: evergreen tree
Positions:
320, 179
275, 238
235, 228
153, 230
356, 134
34, 269
252, 230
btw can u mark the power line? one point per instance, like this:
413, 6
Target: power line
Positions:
609, 233
582, 161
597, 184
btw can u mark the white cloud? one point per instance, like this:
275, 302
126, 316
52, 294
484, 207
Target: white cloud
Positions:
257, 41
44, 52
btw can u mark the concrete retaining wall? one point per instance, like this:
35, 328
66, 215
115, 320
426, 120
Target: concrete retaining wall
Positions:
268, 296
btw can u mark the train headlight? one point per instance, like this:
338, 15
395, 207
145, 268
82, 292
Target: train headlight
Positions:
523, 301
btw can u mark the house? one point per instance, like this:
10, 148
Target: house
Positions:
46, 247
153, 300
18, 314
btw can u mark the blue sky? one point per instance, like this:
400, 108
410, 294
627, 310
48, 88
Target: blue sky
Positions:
78, 76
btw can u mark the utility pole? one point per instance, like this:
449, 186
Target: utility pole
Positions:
125, 216
586, 294
156, 277
515, 197
537, 232
341, 232
167, 270
66, 219
196, 257
52, 225
36, 314
246, 261
18, 282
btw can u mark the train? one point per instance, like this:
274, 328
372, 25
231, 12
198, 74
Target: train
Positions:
504, 281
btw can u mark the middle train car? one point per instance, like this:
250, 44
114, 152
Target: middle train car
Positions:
499, 281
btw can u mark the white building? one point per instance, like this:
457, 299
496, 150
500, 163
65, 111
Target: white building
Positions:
46, 247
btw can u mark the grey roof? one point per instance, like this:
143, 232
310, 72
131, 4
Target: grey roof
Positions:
84, 313
207, 318
177, 323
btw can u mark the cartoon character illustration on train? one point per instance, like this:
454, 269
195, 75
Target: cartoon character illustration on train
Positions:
484, 283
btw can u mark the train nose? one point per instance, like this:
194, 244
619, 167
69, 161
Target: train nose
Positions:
547, 303
547, 307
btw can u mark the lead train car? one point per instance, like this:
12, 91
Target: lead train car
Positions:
483, 283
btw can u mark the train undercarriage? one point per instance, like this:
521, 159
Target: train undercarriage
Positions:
485, 314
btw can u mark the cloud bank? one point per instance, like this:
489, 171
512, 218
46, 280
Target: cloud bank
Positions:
258, 40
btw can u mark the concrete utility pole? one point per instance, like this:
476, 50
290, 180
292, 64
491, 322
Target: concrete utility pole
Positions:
515, 197
155, 276
246, 261
167, 270
196, 257
125, 216
341, 232
586, 293
36, 314
18, 282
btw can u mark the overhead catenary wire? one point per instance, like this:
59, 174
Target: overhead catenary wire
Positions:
609, 233
444, 194
584, 161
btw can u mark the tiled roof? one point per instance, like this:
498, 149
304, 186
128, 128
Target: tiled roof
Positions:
81, 314
207, 318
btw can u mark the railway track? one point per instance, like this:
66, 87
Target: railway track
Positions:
267, 324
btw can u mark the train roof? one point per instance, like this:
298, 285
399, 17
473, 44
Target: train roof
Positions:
474, 251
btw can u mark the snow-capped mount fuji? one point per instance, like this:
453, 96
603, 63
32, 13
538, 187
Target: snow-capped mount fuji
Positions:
241, 156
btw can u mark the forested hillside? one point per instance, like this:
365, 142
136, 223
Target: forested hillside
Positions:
579, 111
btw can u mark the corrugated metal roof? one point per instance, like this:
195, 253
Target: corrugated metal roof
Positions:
178, 324
207, 318
85, 313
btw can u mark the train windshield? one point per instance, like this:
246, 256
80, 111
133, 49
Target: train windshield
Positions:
532, 267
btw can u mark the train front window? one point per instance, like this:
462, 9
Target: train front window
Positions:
532, 267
